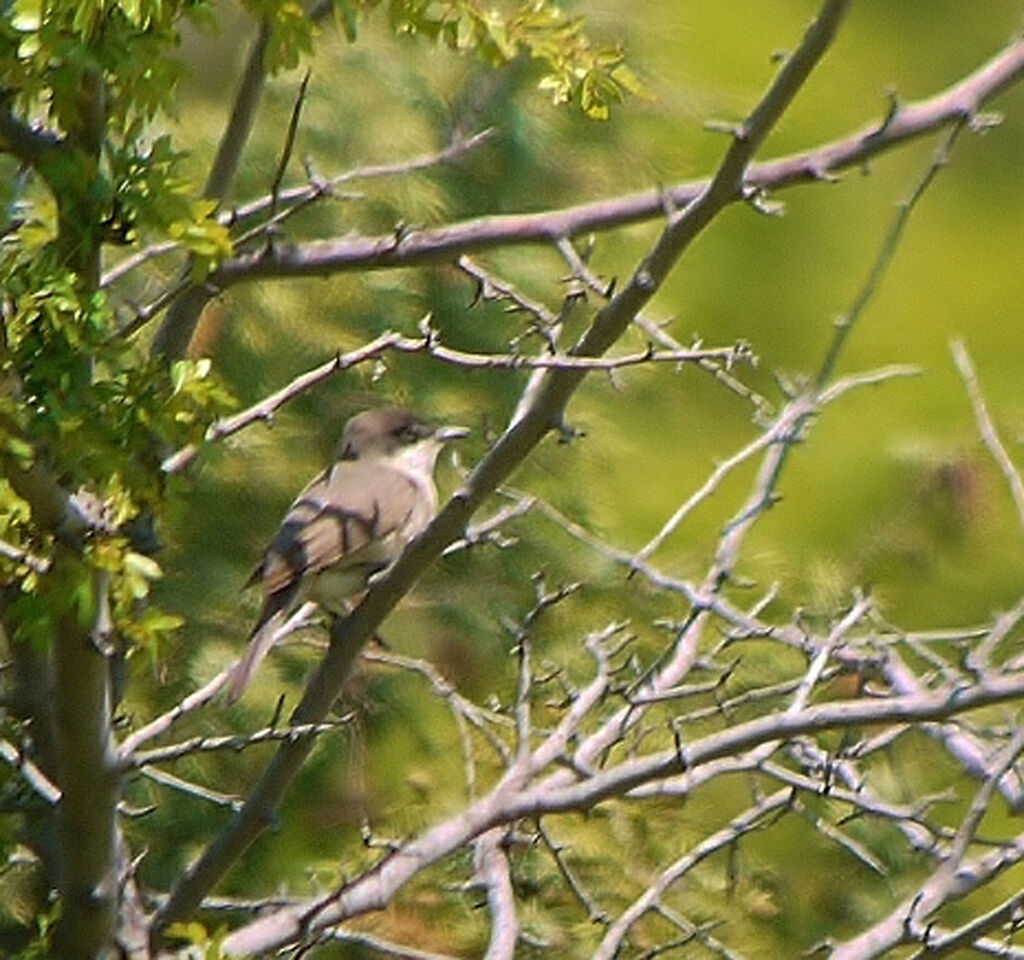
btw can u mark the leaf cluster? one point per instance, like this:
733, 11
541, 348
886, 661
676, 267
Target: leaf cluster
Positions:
89, 408
48, 48
573, 69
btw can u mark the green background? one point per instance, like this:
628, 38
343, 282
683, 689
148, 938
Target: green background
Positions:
892, 490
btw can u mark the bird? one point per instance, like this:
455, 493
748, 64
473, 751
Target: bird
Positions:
350, 522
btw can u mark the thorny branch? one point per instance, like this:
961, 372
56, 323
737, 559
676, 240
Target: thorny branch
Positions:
430, 345
294, 199
531, 423
960, 103
638, 740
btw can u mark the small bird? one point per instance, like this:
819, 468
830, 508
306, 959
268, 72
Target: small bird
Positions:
349, 523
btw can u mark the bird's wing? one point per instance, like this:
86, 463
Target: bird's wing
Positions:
356, 514
349, 515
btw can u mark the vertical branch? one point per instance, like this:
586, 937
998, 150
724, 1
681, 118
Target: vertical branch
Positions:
243, 113
492, 868
987, 429
87, 828
87, 814
885, 256
543, 413
175, 333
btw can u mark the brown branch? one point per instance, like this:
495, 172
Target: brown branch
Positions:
532, 424
265, 409
509, 802
33, 147
204, 744
289, 143
960, 103
88, 778
176, 330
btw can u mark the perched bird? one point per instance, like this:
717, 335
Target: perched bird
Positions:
349, 523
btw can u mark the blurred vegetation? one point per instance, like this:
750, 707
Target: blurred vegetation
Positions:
893, 490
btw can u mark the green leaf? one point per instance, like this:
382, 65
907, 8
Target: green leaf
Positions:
346, 15
626, 78
20, 448
142, 565
26, 15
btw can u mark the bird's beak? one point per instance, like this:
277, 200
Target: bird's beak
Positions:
444, 434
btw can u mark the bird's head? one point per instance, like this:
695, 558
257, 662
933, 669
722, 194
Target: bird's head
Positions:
393, 432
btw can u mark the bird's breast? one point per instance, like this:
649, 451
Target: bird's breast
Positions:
331, 588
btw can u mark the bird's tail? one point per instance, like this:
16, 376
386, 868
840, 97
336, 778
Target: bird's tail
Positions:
262, 640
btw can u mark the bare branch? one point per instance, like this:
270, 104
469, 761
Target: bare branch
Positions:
195, 700
960, 744
289, 142
509, 802
594, 913
296, 199
387, 948
971, 934
960, 102
876, 274
176, 751
327, 187
987, 428
266, 408
40, 783
492, 871
956, 877
751, 818
464, 711
190, 789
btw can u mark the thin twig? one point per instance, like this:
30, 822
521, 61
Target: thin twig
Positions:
40, 783
873, 281
195, 700
987, 429
20, 555
298, 198
751, 818
201, 744
289, 142
190, 789
266, 408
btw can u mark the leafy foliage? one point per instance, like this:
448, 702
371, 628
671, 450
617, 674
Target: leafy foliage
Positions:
86, 86
89, 95
48, 46
572, 68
